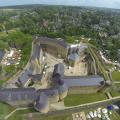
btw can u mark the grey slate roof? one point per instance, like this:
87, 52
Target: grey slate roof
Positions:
46, 39
36, 52
49, 92
59, 70
74, 81
17, 94
36, 77
41, 102
24, 77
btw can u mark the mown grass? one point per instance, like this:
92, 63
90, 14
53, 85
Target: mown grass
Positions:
62, 117
116, 75
18, 114
5, 110
115, 93
115, 116
78, 99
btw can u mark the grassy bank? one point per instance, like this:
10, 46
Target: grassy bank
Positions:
116, 75
18, 114
99, 63
115, 93
78, 99
5, 110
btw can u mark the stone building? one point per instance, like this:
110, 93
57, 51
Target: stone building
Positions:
42, 103
84, 84
36, 60
58, 74
18, 96
24, 80
42, 98
57, 47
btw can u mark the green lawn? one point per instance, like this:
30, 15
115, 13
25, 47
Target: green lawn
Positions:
1, 82
115, 93
18, 114
115, 116
116, 75
77, 99
4, 110
61, 117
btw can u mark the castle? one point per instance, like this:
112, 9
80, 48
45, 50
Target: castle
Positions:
62, 85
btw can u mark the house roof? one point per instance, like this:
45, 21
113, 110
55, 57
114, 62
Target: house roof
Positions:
49, 92
74, 81
41, 102
59, 70
17, 94
25, 77
36, 52
36, 77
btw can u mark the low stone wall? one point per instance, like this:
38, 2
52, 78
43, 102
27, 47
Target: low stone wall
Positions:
83, 90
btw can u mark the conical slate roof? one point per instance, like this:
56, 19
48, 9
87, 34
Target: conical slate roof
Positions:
42, 103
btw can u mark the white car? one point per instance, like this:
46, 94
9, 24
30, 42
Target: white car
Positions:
99, 115
99, 110
95, 113
91, 114
88, 116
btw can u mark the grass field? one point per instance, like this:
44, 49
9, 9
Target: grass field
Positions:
18, 114
77, 99
115, 93
4, 110
115, 116
63, 117
1, 82
116, 75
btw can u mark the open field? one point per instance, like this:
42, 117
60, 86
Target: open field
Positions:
18, 114
5, 110
62, 117
116, 75
1, 82
115, 116
77, 99
115, 93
